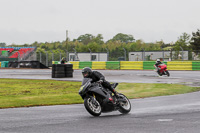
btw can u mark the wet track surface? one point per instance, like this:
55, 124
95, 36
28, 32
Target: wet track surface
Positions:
129, 76
165, 114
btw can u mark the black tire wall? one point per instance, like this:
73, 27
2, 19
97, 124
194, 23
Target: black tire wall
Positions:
62, 70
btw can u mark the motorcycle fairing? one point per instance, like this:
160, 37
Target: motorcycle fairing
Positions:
98, 90
107, 105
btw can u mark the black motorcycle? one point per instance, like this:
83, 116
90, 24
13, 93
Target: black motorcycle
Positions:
98, 99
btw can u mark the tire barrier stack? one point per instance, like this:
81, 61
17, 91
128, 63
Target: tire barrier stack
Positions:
62, 70
13, 64
26, 64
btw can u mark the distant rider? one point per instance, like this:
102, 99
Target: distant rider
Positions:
63, 60
98, 77
158, 62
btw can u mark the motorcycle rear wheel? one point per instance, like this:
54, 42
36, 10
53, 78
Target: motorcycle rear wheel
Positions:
124, 108
93, 109
167, 73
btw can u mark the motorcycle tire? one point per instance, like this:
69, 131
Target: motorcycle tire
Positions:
167, 73
92, 108
159, 74
124, 108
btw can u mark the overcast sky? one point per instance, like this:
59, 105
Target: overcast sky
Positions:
27, 21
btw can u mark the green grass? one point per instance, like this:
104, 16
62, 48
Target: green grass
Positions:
141, 90
26, 93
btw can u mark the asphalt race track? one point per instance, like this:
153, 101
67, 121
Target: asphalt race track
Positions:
129, 76
165, 114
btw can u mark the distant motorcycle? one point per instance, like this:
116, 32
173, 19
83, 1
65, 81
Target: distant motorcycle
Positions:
98, 99
163, 70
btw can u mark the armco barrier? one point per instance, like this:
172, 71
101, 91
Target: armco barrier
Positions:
196, 65
83, 64
179, 65
98, 65
149, 65
55, 62
134, 65
75, 64
113, 65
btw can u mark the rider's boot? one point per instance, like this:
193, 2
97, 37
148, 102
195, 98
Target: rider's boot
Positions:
116, 94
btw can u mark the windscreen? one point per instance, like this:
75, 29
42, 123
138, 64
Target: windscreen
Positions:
85, 80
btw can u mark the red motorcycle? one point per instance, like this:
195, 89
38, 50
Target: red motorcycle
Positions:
162, 70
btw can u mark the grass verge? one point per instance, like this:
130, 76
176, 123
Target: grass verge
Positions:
26, 93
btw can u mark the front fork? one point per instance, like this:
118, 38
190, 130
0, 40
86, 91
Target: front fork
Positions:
93, 98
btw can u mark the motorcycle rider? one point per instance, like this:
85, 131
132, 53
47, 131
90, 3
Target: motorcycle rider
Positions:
158, 62
63, 60
98, 77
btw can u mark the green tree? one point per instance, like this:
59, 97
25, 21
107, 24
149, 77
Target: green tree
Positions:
2, 44
85, 39
88, 38
124, 38
195, 42
35, 44
98, 39
94, 47
182, 41
43, 46
81, 47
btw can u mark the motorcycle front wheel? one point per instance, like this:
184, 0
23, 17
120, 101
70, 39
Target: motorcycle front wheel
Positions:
124, 107
93, 107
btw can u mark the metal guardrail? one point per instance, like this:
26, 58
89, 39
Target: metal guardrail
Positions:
135, 65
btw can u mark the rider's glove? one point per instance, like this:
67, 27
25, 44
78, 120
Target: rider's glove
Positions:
100, 81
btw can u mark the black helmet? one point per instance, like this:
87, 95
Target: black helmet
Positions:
86, 72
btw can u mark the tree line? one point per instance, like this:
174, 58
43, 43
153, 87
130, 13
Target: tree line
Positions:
116, 45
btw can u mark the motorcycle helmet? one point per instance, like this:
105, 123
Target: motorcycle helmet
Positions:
63, 58
158, 60
86, 72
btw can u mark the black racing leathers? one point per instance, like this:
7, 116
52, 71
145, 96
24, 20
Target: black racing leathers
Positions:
96, 76
62, 62
158, 63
